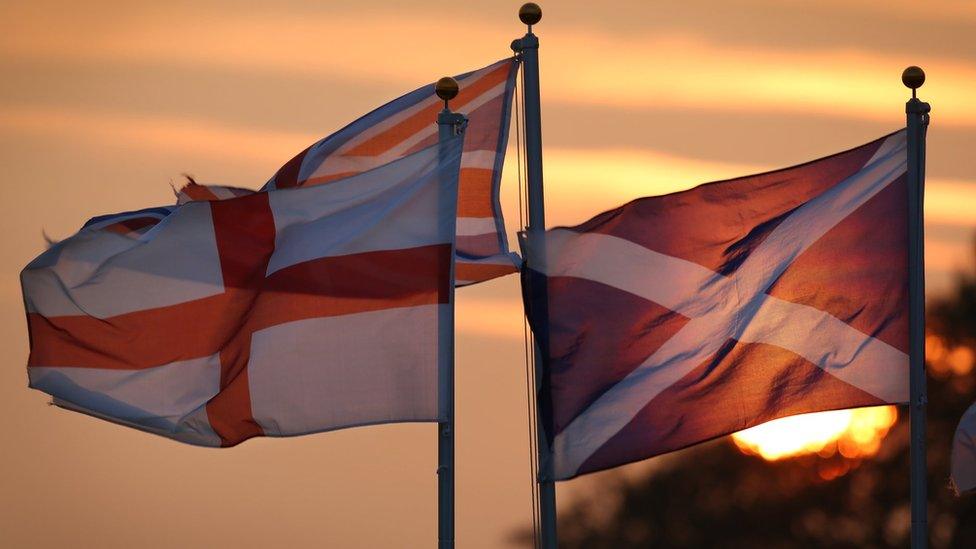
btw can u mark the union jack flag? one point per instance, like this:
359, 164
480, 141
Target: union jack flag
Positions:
403, 126
676, 319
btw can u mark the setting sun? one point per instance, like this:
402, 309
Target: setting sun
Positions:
852, 433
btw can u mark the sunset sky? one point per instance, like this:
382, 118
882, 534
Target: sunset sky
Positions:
103, 106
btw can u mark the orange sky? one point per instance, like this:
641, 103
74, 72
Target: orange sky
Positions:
102, 106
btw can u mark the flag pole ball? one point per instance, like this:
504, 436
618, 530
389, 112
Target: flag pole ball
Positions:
913, 77
530, 13
446, 88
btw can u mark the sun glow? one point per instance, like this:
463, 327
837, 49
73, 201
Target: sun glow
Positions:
946, 360
854, 434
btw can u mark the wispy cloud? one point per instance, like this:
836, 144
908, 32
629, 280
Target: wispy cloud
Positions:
580, 181
687, 71
199, 137
580, 65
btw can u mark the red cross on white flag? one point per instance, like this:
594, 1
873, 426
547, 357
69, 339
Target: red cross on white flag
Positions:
276, 313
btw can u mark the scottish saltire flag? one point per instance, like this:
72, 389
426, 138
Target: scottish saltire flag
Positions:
676, 319
278, 313
405, 125
963, 467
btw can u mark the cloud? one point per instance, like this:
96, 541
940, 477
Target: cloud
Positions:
580, 65
199, 137
685, 71
580, 181
950, 202
591, 180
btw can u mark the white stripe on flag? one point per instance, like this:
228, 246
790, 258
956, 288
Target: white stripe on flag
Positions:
295, 391
843, 351
159, 399
113, 274
503, 259
391, 207
482, 159
476, 226
193, 429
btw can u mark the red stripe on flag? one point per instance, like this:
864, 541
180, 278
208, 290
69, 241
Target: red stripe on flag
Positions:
355, 283
137, 340
134, 224
475, 193
479, 272
287, 175
245, 234
378, 144
152, 337
482, 245
195, 191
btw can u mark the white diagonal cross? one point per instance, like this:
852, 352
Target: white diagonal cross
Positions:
722, 307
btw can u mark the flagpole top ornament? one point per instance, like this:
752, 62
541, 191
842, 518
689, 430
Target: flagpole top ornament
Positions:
913, 77
530, 13
446, 88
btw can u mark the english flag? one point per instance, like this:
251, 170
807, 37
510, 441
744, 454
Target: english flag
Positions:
676, 319
405, 125
277, 313
963, 469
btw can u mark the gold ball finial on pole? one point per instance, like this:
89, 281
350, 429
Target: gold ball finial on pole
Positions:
446, 88
530, 13
913, 77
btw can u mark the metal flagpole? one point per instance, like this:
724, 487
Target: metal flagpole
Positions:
917, 113
448, 124
528, 46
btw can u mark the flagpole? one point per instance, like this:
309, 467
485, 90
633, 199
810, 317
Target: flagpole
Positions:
448, 124
528, 47
917, 114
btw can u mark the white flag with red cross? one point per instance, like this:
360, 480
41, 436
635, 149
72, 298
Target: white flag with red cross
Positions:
276, 313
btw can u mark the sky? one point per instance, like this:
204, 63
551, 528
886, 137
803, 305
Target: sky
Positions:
104, 105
